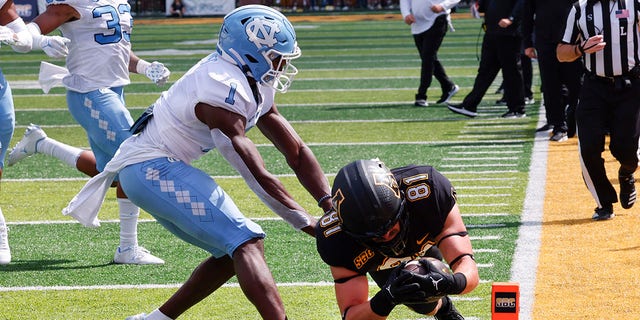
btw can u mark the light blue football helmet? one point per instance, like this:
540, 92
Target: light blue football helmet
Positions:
255, 36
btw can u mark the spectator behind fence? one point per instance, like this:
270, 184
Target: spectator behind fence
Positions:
177, 9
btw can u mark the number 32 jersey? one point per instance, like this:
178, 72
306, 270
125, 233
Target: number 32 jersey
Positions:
429, 199
100, 44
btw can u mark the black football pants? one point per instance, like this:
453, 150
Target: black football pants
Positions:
498, 52
428, 44
604, 108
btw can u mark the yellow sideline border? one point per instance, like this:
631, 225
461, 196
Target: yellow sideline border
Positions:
586, 269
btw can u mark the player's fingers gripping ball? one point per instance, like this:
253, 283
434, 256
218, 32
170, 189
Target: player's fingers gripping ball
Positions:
158, 73
433, 275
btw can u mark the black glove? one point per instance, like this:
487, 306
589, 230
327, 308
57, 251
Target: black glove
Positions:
436, 282
397, 290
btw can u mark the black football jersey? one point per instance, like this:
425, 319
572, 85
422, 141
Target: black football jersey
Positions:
429, 199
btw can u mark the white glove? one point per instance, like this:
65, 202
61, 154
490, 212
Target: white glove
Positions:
55, 46
157, 72
7, 35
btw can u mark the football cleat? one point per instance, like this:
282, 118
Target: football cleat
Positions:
28, 145
135, 255
5, 252
141, 316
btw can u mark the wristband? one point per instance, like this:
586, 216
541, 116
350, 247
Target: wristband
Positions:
142, 66
323, 198
459, 283
34, 29
381, 303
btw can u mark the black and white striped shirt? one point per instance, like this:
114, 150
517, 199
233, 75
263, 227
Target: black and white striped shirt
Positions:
617, 21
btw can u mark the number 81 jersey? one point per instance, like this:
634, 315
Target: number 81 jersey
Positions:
429, 198
100, 44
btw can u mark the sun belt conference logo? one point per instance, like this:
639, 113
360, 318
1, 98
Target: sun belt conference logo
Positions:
262, 32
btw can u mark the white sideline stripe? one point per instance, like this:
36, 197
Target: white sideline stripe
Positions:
525, 258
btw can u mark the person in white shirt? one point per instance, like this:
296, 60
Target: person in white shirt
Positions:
98, 55
211, 107
429, 21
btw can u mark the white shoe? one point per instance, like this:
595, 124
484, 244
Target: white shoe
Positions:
141, 316
5, 252
27, 146
135, 255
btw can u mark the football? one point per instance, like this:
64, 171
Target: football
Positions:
416, 267
435, 265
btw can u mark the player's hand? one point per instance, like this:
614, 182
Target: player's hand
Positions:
55, 46
7, 35
434, 282
157, 73
400, 289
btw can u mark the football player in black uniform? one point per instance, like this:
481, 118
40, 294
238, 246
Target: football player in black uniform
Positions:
384, 218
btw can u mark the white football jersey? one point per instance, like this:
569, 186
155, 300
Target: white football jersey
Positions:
214, 81
100, 44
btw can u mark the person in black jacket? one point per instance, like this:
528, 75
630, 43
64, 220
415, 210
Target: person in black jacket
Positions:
500, 50
545, 20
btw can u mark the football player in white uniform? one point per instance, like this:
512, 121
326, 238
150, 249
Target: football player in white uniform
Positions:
211, 107
13, 32
98, 58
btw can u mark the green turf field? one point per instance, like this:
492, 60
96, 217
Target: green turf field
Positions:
353, 99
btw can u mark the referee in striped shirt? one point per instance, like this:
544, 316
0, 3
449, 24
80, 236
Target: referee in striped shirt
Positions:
605, 34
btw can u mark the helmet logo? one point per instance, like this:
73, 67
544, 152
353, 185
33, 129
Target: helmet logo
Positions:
387, 180
262, 32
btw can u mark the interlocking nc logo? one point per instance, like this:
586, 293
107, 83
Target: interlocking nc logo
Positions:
262, 32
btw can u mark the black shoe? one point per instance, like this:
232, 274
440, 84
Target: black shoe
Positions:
627, 190
460, 109
546, 127
559, 136
604, 213
448, 311
446, 96
502, 101
514, 114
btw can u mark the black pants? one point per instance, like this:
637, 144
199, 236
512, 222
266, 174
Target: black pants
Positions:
498, 52
428, 44
605, 108
554, 74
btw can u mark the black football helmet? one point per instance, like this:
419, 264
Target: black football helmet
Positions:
369, 203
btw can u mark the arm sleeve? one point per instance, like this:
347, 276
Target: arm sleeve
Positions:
297, 219
25, 41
